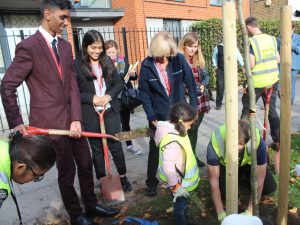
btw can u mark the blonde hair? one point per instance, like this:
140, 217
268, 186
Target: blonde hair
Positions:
162, 44
189, 39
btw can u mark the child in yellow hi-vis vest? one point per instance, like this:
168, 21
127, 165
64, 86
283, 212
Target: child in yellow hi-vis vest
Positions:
177, 162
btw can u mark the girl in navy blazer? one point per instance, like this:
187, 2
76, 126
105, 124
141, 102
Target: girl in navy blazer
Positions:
99, 85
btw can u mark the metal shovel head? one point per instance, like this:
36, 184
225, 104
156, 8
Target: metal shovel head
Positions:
112, 190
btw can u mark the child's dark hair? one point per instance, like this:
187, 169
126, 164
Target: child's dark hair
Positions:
60, 4
36, 151
244, 134
182, 112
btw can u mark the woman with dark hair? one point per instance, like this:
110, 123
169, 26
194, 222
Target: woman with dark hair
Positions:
122, 65
99, 86
24, 159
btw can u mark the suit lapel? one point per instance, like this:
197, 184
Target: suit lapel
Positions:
45, 49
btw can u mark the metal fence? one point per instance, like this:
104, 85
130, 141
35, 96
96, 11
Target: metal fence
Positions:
133, 43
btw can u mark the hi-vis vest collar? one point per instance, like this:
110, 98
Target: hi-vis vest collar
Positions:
218, 143
5, 171
190, 177
265, 72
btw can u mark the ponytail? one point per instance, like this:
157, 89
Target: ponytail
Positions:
180, 113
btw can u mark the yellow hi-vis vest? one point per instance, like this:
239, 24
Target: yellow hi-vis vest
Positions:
5, 171
218, 142
190, 178
265, 72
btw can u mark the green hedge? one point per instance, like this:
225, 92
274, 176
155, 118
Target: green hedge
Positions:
210, 33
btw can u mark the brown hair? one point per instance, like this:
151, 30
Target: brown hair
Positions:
189, 39
252, 21
243, 132
110, 43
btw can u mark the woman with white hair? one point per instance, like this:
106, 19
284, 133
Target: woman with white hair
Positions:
164, 77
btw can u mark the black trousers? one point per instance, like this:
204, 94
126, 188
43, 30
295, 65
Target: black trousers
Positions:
112, 126
273, 116
193, 132
220, 87
244, 179
125, 122
153, 160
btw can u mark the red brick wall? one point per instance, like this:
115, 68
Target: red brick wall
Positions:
261, 11
136, 12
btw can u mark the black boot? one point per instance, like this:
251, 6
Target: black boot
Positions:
82, 220
101, 211
150, 191
125, 184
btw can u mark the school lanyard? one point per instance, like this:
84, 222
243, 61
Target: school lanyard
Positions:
99, 79
165, 77
58, 66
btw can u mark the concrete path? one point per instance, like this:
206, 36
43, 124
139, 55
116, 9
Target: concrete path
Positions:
40, 203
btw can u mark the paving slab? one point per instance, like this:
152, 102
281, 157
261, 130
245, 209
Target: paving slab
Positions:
40, 202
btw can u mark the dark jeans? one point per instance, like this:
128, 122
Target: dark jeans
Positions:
125, 122
193, 132
153, 160
220, 87
72, 155
180, 210
294, 80
244, 179
273, 116
112, 126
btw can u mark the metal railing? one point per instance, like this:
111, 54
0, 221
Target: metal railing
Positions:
133, 43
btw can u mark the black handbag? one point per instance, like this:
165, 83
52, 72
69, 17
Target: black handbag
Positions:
129, 98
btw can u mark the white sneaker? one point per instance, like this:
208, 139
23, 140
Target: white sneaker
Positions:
134, 150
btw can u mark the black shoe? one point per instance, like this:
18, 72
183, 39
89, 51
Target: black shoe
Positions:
200, 163
150, 191
218, 107
101, 211
82, 220
125, 184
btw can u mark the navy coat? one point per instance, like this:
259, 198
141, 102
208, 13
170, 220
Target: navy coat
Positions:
155, 100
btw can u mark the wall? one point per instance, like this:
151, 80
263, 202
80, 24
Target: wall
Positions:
261, 11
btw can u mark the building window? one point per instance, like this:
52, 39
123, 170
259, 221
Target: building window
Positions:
173, 27
216, 2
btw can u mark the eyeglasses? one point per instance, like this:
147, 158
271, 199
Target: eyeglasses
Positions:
36, 177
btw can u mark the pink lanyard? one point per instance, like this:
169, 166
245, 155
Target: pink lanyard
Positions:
165, 77
99, 79
54, 58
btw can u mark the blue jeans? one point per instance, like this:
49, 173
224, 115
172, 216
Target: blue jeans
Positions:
180, 210
294, 79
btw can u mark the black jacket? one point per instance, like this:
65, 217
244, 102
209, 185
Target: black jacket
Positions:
87, 92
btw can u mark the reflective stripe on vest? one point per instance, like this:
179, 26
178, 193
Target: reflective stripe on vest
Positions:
265, 70
5, 166
218, 143
191, 174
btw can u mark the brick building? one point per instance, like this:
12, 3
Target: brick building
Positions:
270, 9
154, 15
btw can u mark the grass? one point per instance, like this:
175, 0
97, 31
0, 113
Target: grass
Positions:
294, 187
201, 210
